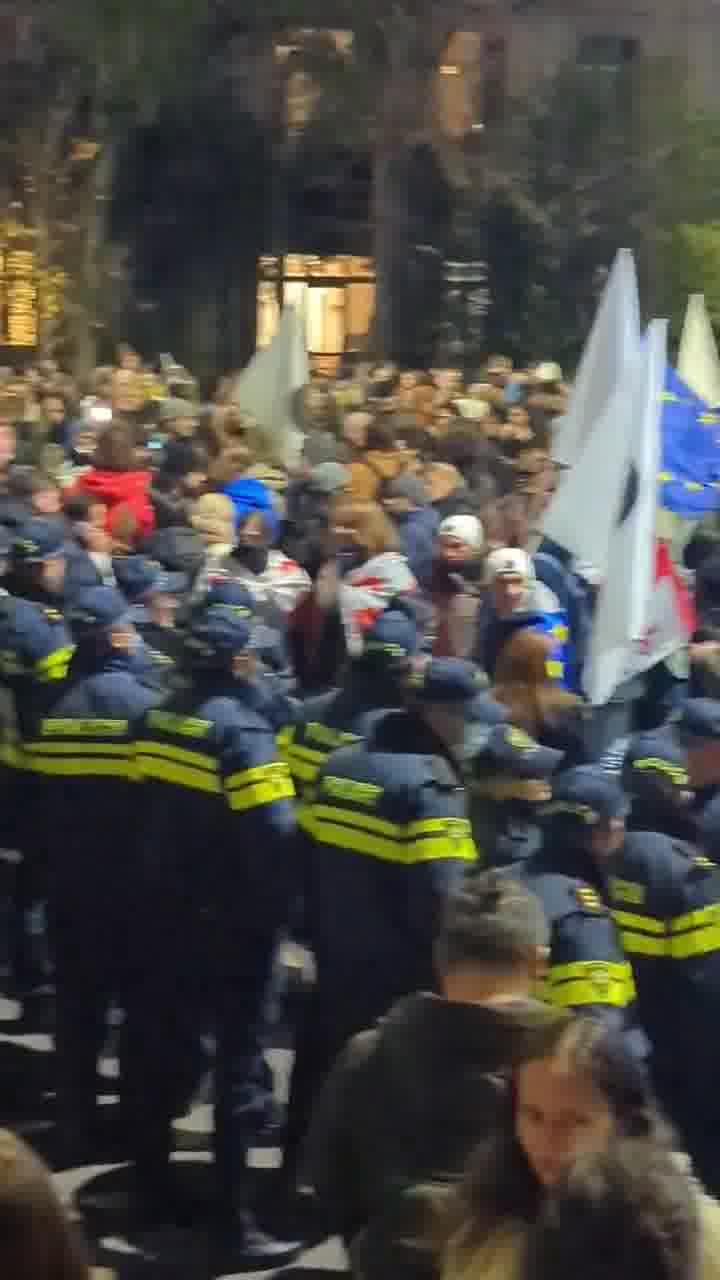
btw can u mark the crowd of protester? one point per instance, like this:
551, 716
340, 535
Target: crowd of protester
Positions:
323, 729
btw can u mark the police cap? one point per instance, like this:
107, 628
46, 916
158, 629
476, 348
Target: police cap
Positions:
448, 681
137, 576
699, 718
505, 749
588, 795
37, 540
95, 609
217, 634
485, 711
652, 759
394, 636
224, 590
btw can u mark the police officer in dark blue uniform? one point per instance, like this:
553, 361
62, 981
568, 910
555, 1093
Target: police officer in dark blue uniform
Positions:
664, 896
655, 778
155, 596
81, 755
386, 837
372, 685
510, 780
698, 729
217, 878
35, 650
583, 826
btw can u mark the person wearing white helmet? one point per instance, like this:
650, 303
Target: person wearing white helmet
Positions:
516, 599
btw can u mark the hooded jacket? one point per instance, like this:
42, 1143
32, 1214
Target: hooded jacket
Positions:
404, 1106
130, 489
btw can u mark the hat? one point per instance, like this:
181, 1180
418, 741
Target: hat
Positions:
249, 497
214, 515
548, 371
588, 795
467, 529
506, 749
446, 680
217, 634
137, 576
174, 408
651, 757
699, 718
407, 486
96, 608
393, 637
509, 562
37, 540
227, 591
329, 477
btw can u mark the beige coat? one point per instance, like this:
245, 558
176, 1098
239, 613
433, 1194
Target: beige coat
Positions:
499, 1258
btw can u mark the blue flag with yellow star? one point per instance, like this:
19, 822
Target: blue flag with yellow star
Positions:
690, 476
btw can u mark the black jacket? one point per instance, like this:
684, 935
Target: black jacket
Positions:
404, 1106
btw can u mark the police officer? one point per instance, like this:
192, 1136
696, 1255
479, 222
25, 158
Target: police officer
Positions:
510, 780
216, 883
35, 650
664, 896
386, 837
155, 597
583, 826
698, 729
655, 777
372, 685
80, 754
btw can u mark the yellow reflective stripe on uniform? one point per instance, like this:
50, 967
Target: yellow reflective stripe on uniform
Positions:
424, 841
179, 755
87, 767
590, 982
55, 665
78, 748
695, 934
11, 755
285, 737
179, 775
641, 935
263, 784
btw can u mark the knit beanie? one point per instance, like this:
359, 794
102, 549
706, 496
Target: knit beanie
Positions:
213, 515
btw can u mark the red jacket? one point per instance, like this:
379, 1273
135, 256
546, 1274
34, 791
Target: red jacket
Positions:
130, 489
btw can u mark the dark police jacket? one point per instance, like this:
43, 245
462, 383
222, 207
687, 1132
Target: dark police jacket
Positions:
386, 838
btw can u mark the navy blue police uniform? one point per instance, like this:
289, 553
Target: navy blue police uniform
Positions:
656, 780
216, 882
509, 777
697, 726
139, 578
35, 652
664, 896
80, 753
344, 716
385, 837
588, 970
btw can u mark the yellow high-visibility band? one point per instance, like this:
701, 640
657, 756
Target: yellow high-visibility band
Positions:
179, 775
179, 755
588, 982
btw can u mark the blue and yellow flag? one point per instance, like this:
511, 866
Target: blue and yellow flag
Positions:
690, 476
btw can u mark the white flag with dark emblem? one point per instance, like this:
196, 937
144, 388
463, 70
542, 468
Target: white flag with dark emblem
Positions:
624, 604
612, 343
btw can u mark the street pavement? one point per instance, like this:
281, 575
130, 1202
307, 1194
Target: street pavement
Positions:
94, 1193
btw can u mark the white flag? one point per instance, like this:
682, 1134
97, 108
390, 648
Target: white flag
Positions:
624, 604
266, 386
698, 364
613, 341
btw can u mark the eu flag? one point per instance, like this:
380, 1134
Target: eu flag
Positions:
691, 451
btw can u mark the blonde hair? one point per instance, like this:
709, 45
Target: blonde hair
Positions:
37, 1239
375, 532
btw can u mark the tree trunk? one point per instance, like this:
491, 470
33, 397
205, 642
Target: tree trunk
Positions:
84, 323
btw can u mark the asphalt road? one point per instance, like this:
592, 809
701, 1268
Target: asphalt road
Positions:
95, 1193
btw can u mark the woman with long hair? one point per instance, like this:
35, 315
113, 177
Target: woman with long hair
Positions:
586, 1093
525, 685
363, 573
